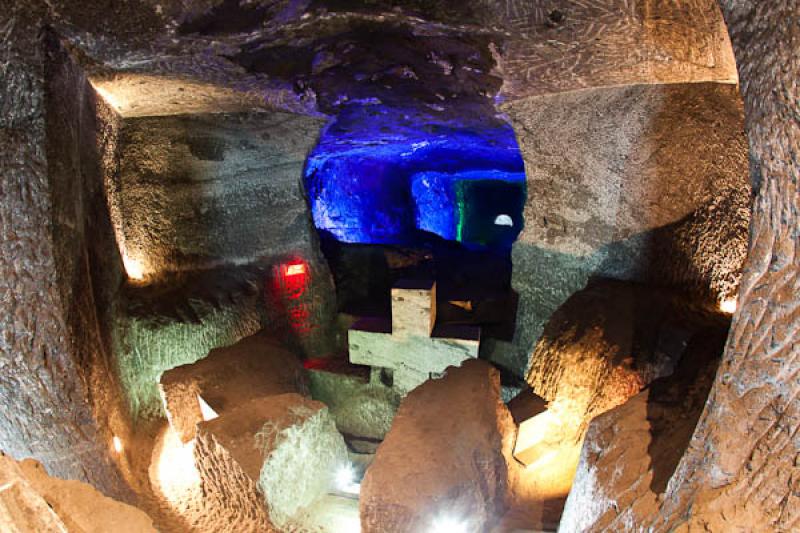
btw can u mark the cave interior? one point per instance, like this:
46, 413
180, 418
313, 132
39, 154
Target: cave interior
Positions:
386, 266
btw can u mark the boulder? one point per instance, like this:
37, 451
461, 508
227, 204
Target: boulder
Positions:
444, 458
270, 458
631, 452
33, 502
255, 366
606, 343
363, 409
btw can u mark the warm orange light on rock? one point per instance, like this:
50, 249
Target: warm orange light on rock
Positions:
133, 267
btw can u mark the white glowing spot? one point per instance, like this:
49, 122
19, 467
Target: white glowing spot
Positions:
117, 442
728, 305
532, 437
206, 410
503, 220
346, 481
448, 524
109, 97
133, 267
176, 470
295, 270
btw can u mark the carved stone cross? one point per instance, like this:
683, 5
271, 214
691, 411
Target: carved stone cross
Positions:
413, 348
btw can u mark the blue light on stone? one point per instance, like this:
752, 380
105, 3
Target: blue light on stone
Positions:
383, 175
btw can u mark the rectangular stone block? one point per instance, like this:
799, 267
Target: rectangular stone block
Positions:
255, 366
413, 308
270, 458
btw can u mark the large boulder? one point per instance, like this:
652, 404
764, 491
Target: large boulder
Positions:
445, 456
255, 366
606, 343
631, 452
270, 458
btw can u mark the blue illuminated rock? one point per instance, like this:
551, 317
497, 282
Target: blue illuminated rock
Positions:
383, 175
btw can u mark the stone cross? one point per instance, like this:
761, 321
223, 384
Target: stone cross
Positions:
413, 349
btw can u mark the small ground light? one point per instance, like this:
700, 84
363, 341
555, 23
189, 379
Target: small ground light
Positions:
117, 442
728, 306
346, 481
448, 524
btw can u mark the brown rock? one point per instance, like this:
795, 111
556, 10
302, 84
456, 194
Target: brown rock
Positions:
606, 343
33, 502
631, 452
254, 367
270, 458
445, 456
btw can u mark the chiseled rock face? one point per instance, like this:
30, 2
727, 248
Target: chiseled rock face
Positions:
444, 456
631, 452
203, 190
270, 458
33, 502
255, 366
614, 191
606, 343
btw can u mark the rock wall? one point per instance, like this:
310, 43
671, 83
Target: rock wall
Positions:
644, 183
197, 191
741, 467
563, 45
47, 360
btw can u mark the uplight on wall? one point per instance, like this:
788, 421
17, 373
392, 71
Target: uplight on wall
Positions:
728, 306
346, 480
117, 443
206, 410
133, 267
448, 524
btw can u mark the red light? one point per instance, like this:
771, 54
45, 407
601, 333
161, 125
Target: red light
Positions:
297, 269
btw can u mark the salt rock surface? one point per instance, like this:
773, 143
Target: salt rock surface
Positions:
444, 456
255, 366
632, 451
33, 502
606, 343
270, 458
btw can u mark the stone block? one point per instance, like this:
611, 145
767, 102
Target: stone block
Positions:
255, 366
631, 452
446, 455
413, 308
270, 458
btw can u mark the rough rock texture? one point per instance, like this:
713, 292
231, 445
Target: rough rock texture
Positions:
159, 327
562, 45
270, 458
33, 502
46, 360
255, 366
631, 451
198, 191
609, 341
615, 190
445, 455
363, 409
741, 467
